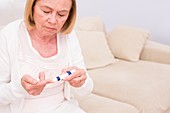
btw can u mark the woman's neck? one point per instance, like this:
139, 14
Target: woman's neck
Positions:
39, 37
45, 45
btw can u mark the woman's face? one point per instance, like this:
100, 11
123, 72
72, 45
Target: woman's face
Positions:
50, 15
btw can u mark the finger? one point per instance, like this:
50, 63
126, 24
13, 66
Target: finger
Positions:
78, 80
43, 83
42, 76
77, 74
48, 81
28, 79
68, 69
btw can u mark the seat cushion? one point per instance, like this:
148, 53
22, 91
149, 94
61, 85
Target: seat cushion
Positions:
98, 104
143, 84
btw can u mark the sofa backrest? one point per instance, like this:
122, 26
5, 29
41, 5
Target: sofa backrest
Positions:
156, 52
101, 48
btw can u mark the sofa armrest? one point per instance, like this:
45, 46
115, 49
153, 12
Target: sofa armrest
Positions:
156, 52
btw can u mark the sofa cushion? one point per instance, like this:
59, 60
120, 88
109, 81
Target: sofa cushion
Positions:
143, 84
98, 104
90, 24
95, 49
127, 42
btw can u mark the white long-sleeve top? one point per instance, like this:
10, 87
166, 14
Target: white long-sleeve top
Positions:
12, 93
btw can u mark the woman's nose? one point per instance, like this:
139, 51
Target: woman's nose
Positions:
52, 18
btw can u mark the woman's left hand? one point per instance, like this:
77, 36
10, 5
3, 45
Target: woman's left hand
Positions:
76, 79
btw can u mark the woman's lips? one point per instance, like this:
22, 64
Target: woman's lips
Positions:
51, 28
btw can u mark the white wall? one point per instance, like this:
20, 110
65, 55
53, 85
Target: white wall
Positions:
10, 10
152, 15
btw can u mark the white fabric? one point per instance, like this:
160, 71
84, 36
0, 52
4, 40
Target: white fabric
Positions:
13, 92
32, 63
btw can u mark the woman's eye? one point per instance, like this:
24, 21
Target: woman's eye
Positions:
46, 11
61, 15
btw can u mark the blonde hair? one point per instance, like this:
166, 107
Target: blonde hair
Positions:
68, 25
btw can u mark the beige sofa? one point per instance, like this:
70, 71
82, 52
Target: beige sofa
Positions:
131, 73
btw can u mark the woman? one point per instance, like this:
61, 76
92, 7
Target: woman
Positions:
35, 50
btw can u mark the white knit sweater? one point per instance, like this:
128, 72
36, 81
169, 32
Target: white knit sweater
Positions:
12, 93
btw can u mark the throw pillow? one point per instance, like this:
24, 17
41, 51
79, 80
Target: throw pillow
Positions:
95, 49
127, 42
90, 24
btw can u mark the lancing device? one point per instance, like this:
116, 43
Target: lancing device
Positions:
61, 77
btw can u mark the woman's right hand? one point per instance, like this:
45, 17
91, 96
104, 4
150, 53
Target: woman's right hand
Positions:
32, 86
